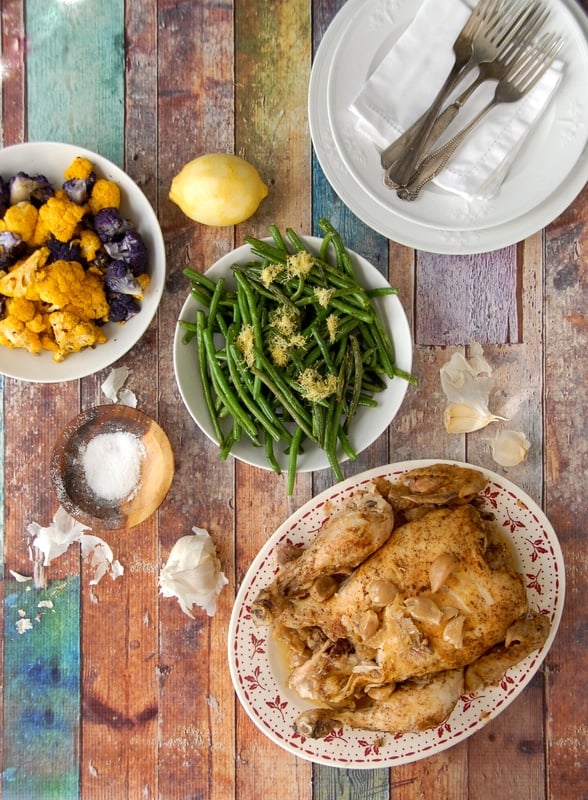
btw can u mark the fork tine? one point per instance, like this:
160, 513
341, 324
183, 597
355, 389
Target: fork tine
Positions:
526, 71
484, 10
526, 35
514, 21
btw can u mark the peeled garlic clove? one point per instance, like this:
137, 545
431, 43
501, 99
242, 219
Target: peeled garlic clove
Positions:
509, 448
368, 625
440, 570
463, 418
382, 592
323, 588
423, 609
453, 631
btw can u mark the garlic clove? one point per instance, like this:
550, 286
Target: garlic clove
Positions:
323, 587
453, 631
423, 609
440, 569
368, 625
509, 448
463, 418
382, 592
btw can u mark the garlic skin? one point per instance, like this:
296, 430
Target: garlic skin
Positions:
192, 573
52, 541
510, 448
467, 386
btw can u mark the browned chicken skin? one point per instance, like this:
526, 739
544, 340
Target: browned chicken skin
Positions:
380, 639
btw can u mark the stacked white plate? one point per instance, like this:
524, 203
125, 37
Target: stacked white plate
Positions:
547, 175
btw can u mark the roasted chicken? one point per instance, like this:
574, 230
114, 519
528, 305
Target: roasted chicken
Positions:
387, 616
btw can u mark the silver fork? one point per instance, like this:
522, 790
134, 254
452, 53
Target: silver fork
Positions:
522, 75
483, 38
526, 24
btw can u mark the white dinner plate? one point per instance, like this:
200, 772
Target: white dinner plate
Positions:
257, 669
367, 424
549, 172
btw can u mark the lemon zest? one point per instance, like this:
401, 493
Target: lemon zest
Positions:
314, 386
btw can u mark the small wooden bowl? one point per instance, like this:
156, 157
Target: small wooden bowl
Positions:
68, 476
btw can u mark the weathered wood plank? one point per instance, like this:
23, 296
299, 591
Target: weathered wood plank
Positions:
566, 342
196, 699
13, 72
475, 298
68, 100
272, 67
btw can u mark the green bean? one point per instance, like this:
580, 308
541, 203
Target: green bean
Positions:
198, 279
270, 455
224, 389
293, 459
218, 293
284, 400
204, 379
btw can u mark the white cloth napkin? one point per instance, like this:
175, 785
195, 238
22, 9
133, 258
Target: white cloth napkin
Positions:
406, 81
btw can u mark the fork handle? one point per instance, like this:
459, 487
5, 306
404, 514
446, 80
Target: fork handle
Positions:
401, 171
394, 150
432, 165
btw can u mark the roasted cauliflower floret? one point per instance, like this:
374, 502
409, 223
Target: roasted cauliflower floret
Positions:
21, 219
28, 312
65, 285
90, 244
15, 333
62, 216
105, 194
79, 169
21, 279
73, 334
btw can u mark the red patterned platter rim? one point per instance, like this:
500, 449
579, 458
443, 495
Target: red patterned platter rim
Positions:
258, 674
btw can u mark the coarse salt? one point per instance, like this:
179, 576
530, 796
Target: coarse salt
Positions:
112, 465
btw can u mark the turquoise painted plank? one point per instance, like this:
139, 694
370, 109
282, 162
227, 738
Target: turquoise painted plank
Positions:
75, 93
41, 692
75, 74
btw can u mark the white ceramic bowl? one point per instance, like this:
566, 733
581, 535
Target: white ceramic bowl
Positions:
51, 159
368, 423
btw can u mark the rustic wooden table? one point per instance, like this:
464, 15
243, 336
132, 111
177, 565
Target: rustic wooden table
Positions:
117, 694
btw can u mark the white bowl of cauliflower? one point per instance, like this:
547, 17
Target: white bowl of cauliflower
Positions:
82, 262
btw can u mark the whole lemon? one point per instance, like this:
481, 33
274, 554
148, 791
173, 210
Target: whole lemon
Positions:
218, 189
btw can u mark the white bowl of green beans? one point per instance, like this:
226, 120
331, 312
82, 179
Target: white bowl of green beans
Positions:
244, 374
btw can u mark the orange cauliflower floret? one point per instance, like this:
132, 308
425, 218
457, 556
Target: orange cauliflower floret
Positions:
15, 333
21, 279
90, 244
40, 234
79, 169
28, 312
65, 285
73, 334
105, 194
62, 216
21, 219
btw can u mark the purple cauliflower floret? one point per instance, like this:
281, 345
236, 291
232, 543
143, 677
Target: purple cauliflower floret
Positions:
33, 189
130, 249
79, 190
122, 307
119, 279
11, 246
109, 225
64, 251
